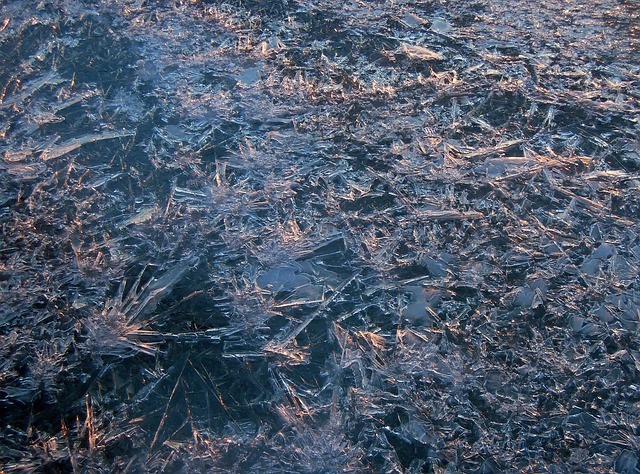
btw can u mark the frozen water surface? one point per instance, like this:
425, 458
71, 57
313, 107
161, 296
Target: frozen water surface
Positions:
300, 237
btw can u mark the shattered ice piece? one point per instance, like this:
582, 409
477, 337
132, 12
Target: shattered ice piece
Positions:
75, 143
419, 310
144, 215
35, 121
493, 380
629, 315
418, 430
301, 280
437, 268
250, 75
552, 249
280, 345
102, 180
155, 290
626, 463
499, 166
624, 269
583, 326
51, 77
24, 171
604, 251
334, 246
603, 313
413, 21
595, 233
532, 295
421, 53
128, 104
282, 279
186, 193
11, 156
16, 156
538, 299
448, 215
73, 100
530, 298
440, 26
580, 418
272, 43
591, 266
